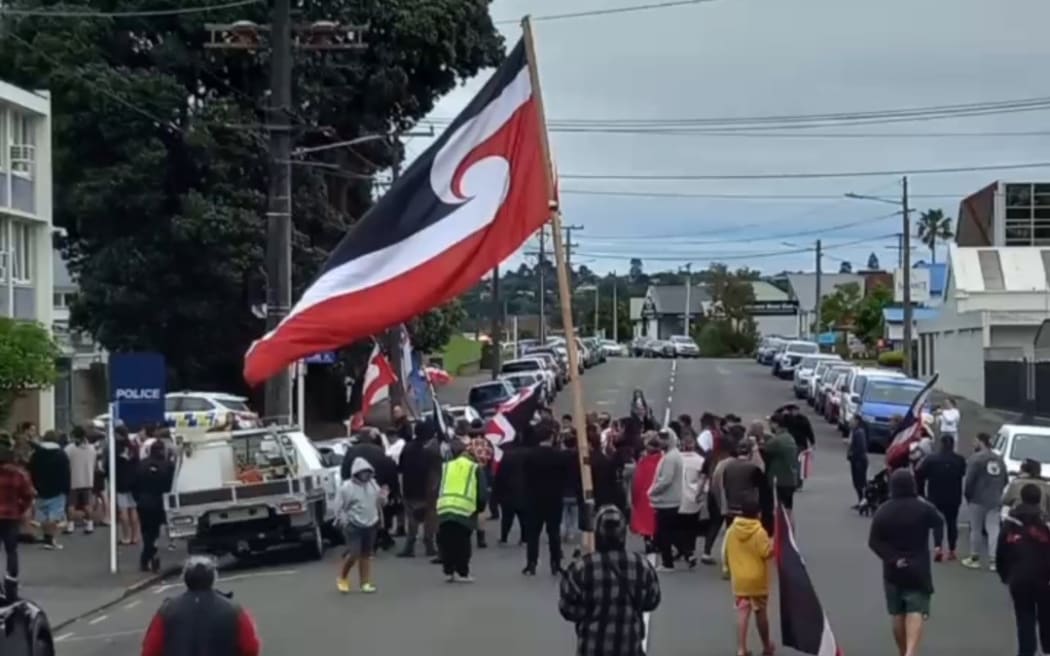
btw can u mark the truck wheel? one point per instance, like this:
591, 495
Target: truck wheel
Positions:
315, 547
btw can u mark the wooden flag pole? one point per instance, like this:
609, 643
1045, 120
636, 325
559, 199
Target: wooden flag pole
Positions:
579, 421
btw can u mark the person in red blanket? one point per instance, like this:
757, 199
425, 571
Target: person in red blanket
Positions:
643, 516
201, 621
16, 498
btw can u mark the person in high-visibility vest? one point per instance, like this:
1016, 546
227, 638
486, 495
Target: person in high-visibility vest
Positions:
461, 497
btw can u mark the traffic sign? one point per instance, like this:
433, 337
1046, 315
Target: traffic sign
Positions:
325, 357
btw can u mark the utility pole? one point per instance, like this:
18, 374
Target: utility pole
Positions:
615, 315
496, 324
906, 273
817, 309
245, 35
688, 293
543, 284
570, 244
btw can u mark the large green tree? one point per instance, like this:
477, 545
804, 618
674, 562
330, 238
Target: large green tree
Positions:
27, 361
160, 165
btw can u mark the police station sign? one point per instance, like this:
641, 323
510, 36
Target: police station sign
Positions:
137, 387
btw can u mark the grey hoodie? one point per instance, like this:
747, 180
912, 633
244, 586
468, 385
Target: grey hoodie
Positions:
666, 490
985, 479
357, 503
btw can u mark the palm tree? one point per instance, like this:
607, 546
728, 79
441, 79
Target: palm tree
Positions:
934, 227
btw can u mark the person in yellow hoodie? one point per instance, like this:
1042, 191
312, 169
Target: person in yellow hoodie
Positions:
748, 550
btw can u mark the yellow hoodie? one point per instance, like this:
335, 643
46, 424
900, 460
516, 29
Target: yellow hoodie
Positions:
748, 548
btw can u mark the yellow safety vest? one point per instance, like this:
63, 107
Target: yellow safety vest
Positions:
459, 488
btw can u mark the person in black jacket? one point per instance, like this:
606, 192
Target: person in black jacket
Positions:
508, 488
49, 470
900, 537
152, 482
1022, 558
940, 476
421, 478
857, 455
547, 475
369, 447
604, 478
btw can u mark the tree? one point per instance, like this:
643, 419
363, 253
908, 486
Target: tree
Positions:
159, 150
873, 262
731, 295
845, 267
840, 308
432, 331
868, 325
636, 271
27, 361
934, 227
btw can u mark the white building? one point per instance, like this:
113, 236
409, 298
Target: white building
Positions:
80, 390
25, 225
995, 300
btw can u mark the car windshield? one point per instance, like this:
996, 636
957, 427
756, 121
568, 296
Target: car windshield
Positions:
524, 365
802, 347
681, 339
833, 373
807, 363
235, 405
487, 393
1036, 447
877, 392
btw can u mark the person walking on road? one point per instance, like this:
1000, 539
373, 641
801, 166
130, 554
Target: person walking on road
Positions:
1030, 474
985, 481
665, 495
484, 456
606, 594
781, 457
508, 488
948, 418
548, 473
900, 537
461, 496
692, 509
359, 506
152, 482
940, 479
201, 620
127, 466
1022, 557
643, 516
801, 430
857, 455
748, 550
16, 498
49, 470
82, 458
741, 481
420, 468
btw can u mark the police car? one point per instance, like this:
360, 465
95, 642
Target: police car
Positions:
189, 409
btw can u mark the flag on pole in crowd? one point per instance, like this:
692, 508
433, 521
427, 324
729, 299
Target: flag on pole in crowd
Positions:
375, 386
406, 357
466, 204
909, 431
512, 418
438, 376
803, 624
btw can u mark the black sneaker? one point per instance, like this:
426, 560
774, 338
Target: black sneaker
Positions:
530, 570
691, 561
707, 559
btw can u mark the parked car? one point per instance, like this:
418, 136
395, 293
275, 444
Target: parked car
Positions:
767, 349
793, 352
526, 379
556, 360
24, 629
486, 398
856, 380
661, 348
804, 373
613, 349
880, 402
1015, 443
535, 365
684, 346
818, 374
833, 397
640, 346
827, 380
189, 409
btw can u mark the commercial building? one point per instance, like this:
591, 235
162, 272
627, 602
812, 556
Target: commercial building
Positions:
25, 226
80, 391
1005, 214
803, 290
661, 312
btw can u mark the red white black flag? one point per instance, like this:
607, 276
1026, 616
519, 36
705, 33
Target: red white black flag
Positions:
512, 418
461, 208
375, 386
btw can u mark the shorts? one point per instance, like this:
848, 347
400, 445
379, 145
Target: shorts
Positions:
786, 496
125, 501
906, 602
755, 604
81, 498
51, 510
360, 540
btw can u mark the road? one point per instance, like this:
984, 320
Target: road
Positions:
415, 612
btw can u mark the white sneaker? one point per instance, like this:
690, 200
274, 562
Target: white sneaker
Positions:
661, 568
89, 527
70, 528
464, 579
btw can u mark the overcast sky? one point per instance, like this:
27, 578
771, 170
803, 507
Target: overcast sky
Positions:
746, 58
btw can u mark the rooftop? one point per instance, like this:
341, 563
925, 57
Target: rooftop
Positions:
1001, 269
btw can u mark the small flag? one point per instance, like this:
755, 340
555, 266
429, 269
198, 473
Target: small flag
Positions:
803, 624
512, 418
375, 388
438, 376
909, 431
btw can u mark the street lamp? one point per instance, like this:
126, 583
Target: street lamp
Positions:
592, 288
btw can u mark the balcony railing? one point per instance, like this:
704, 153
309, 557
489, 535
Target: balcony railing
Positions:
23, 158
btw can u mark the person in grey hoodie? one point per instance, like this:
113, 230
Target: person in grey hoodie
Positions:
665, 495
983, 490
358, 505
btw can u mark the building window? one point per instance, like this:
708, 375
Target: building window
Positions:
991, 270
63, 300
1027, 221
21, 250
22, 143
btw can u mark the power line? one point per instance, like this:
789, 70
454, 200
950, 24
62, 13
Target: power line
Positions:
731, 256
798, 134
146, 13
755, 197
802, 176
606, 12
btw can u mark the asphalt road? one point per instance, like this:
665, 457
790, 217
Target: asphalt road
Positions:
296, 605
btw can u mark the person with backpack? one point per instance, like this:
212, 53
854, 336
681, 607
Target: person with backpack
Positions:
1022, 557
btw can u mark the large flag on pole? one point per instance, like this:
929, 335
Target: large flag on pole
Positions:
512, 418
803, 624
375, 386
461, 208
909, 431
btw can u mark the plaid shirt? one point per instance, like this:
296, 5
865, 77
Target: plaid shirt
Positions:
16, 492
605, 594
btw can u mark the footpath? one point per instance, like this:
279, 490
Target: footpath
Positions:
76, 581
978, 419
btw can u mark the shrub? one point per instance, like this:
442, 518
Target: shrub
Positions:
891, 359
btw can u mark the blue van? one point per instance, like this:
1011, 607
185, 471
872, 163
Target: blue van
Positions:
881, 400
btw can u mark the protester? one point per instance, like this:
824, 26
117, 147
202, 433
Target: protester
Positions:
370, 447
82, 460
692, 508
1030, 474
460, 499
781, 457
900, 537
484, 456
152, 481
857, 455
983, 487
16, 498
359, 506
948, 418
705, 441
665, 496
686, 427
420, 467
127, 465
748, 550
607, 593
741, 482
607, 488
572, 495
201, 616
509, 489
548, 473
1022, 557
49, 469
940, 480
643, 516
801, 430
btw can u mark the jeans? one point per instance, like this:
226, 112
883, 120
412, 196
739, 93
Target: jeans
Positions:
950, 512
151, 520
421, 513
9, 530
570, 520
987, 519
1032, 615
688, 532
537, 519
666, 532
714, 525
507, 514
858, 470
454, 546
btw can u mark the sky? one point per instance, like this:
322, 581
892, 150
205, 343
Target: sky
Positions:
733, 59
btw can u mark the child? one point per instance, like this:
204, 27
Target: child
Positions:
359, 502
748, 548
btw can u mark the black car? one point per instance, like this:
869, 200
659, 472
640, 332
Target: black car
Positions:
486, 398
24, 630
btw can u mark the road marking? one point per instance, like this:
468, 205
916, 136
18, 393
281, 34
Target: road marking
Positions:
722, 371
64, 636
667, 413
99, 636
236, 577
100, 618
132, 604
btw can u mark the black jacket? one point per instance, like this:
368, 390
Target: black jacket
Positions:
49, 469
940, 477
547, 475
606, 481
801, 430
509, 487
900, 535
152, 482
384, 465
420, 471
742, 483
1022, 556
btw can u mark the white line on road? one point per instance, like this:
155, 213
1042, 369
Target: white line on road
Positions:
100, 618
667, 413
99, 636
131, 605
236, 577
64, 637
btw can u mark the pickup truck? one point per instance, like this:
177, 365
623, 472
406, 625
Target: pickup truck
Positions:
247, 491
